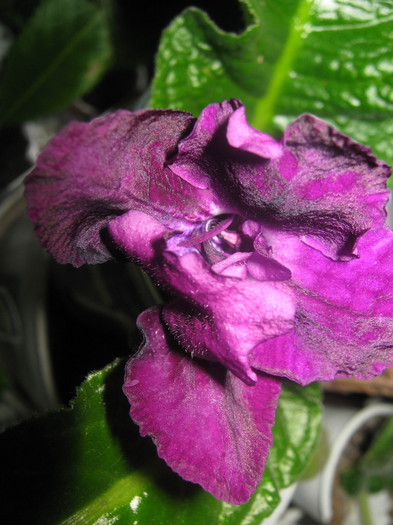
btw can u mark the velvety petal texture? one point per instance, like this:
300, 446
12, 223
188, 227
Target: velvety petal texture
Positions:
207, 423
93, 172
222, 318
338, 303
275, 255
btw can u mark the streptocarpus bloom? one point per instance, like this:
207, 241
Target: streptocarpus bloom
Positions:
276, 254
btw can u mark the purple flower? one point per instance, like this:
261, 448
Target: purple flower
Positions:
276, 255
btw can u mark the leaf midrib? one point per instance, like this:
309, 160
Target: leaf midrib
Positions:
264, 110
118, 495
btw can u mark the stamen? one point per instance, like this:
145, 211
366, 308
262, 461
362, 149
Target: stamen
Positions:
235, 258
213, 227
215, 248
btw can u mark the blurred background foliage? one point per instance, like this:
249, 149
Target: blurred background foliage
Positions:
78, 58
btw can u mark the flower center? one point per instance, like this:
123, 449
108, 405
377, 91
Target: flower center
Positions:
235, 247
220, 242
220, 238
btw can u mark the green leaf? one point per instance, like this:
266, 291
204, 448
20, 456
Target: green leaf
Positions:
87, 465
374, 469
296, 430
328, 58
62, 52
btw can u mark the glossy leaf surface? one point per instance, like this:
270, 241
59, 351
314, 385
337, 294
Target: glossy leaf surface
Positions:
332, 59
88, 464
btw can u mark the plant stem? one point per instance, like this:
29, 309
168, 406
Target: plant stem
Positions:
364, 508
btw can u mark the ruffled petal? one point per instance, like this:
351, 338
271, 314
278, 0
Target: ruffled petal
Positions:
193, 162
241, 135
334, 171
92, 172
363, 284
207, 424
324, 186
344, 321
328, 342
222, 318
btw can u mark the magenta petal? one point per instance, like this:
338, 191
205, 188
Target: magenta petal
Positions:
338, 174
207, 424
265, 268
241, 135
324, 186
363, 284
328, 342
92, 172
138, 236
344, 321
223, 318
191, 162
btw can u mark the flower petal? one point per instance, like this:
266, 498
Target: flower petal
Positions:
222, 318
241, 135
363, 284
92, 172
207, 424
336, 172
324, 186
139, 237
344, 321
265, 268
328, 342
192, 162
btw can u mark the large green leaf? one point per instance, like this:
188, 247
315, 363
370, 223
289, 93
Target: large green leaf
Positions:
298, 419
332, 58
87, 465
62, 52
